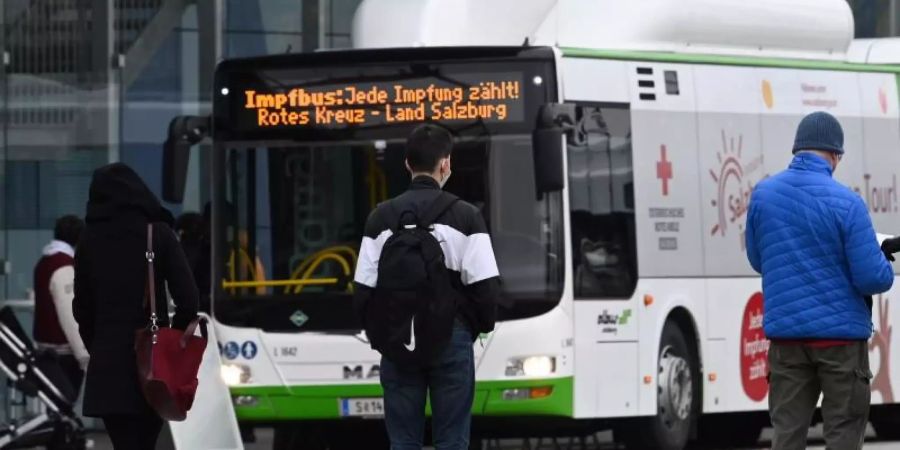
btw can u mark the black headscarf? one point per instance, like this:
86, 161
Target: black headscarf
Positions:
118, 192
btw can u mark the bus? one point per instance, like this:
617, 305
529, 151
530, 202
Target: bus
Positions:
612, 152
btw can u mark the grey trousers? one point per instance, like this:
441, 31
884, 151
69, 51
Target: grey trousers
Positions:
799, 373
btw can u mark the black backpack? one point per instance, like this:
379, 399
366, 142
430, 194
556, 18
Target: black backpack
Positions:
410, 318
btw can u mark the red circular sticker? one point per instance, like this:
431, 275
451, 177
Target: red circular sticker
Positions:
754, 350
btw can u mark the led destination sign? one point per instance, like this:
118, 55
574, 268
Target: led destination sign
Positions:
490, 98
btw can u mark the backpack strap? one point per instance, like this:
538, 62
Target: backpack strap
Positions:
438, 207
395, 218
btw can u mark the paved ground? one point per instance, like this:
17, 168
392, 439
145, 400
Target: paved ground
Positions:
602, 441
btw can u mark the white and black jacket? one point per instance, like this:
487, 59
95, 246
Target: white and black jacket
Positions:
467, 248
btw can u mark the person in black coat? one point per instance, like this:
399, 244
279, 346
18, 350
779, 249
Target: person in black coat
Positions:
194, 230
110, 305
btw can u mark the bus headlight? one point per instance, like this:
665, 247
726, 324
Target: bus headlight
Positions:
531, 366
246, 401
235, 374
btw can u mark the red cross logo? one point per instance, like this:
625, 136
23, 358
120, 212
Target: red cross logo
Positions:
664, 170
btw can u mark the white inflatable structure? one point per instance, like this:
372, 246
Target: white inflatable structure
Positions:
810, 29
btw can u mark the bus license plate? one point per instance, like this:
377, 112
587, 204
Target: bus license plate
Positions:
362, 407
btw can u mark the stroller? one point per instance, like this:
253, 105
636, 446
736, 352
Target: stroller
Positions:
36, 375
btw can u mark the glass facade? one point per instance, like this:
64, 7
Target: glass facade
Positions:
876, 18
87, 82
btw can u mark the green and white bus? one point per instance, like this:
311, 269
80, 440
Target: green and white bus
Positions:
612, 155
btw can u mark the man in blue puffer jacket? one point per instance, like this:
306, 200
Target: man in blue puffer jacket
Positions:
812, 240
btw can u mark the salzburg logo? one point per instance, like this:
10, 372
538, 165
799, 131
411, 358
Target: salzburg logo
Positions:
733, 187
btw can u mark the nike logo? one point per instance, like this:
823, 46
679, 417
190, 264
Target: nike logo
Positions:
412, 335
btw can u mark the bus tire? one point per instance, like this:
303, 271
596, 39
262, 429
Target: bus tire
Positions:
678, 387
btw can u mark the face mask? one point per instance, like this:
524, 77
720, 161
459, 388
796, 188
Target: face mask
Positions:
444, 180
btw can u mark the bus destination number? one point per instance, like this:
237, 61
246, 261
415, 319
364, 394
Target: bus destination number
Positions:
498, 99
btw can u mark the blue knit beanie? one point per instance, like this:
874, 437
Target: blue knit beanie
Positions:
819, 131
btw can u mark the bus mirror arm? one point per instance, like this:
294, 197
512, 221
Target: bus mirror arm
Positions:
184, 132
554, 121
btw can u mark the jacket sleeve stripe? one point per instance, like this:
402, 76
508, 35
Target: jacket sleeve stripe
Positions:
62, 284
472, 256
453, 243
369, 254
478, 262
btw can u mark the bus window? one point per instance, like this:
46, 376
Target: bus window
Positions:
601, 195
312, 201
247, 248
300, 211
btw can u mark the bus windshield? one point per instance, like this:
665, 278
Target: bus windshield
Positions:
307, 145
293, 218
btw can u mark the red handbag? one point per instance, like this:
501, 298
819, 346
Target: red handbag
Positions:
167, 359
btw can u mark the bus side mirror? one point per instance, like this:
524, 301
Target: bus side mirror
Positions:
184, 132
548, 145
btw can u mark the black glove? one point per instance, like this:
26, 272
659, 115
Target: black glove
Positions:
890, 246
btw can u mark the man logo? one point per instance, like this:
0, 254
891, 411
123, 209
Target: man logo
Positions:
356, 373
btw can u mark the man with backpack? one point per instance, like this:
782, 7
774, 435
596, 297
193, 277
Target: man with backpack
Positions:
426, 284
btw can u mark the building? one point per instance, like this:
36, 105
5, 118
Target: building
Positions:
875, 18
87, 82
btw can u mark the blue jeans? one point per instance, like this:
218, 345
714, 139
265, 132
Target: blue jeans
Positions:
449, 380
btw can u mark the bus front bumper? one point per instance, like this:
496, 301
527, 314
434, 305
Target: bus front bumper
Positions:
543, 397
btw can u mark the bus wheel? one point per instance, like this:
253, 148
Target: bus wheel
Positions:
677, 400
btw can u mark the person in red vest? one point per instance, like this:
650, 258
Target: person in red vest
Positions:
54, 279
